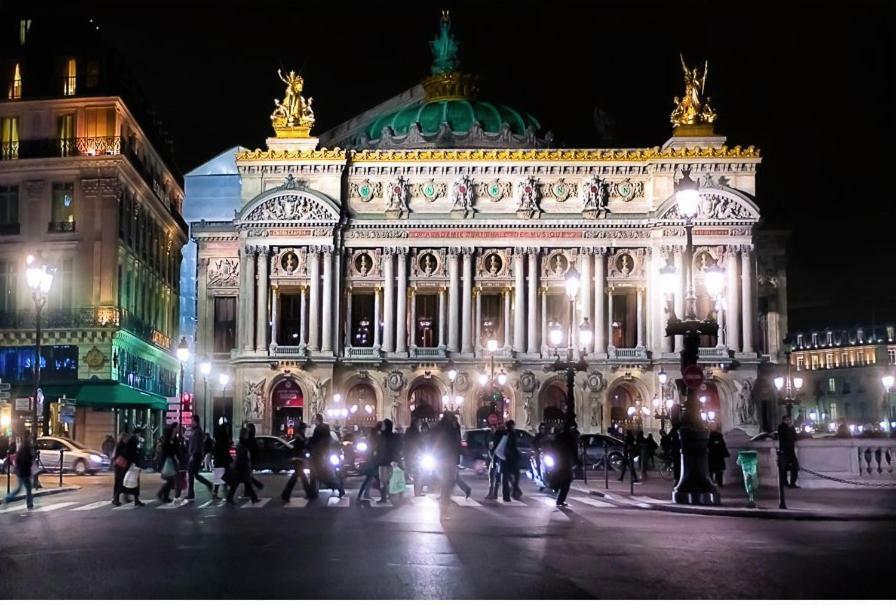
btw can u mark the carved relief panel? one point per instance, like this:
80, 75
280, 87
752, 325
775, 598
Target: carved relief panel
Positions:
288, 262
365, 264
493, 263
428, 263
223, 273
556, 263
626, 263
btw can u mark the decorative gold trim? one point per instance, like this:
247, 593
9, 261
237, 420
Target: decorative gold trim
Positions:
554, 155
297, 154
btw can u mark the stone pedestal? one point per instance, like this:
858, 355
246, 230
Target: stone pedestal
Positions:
292, 144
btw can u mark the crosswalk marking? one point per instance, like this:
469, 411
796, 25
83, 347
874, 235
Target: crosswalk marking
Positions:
131, 506
591, 502
172, 505
465, 502
13, 509
296, 503
51, 507
511, 503
334, 502
94, 505
260, 504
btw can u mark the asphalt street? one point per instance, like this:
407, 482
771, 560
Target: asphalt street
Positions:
76, 545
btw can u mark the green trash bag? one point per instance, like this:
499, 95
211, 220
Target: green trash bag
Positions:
397, 483
748, 460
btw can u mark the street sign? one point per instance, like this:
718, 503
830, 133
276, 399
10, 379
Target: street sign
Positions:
23, 404
5, 387
693, 376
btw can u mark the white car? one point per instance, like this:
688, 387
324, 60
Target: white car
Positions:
75, 456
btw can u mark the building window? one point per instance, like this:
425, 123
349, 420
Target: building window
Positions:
9, 138
7, 289
426, 316
93, 74
844, 359
814, 339
24, 26
225, 324
891, 333
800, 362
70, 80
9, 209
57, 363
814, 362
61, 292
799, 341
832, 385
99, 128
891, 356
62, 210
829, 360
830, 338
65, 131
15, 84
363, 321
834, 414
860, 357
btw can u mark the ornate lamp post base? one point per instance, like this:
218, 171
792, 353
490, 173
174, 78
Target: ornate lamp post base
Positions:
694, 487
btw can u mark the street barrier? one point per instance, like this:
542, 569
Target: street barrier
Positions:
60, 468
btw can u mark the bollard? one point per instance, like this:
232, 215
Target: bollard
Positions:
60, 468
8, 470
631, 475
584, 464
606, 466
782, 502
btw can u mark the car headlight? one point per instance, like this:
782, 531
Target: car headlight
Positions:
361, 447
428, 462
95, 458
334, 459
549, 461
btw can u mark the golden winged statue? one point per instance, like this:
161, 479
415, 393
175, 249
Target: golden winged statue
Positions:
691, 109
293, 116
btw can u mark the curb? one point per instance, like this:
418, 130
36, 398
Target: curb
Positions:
756, 513
48, 492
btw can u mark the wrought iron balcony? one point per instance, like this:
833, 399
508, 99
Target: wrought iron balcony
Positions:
428, 352
61, 227
627, 354
362, 352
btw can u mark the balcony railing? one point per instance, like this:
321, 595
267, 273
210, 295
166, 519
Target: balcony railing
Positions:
428, 352
61, 227
362, 352
627, 354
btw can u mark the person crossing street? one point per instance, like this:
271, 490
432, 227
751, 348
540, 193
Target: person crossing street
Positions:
196, 454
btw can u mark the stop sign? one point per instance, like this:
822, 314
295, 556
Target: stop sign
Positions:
693, 376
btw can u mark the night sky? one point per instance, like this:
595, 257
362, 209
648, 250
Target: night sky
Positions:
811, 85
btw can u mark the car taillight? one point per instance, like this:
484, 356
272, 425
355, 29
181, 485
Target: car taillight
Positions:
463, 443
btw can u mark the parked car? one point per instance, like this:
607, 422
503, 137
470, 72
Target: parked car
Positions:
593, 444
75, 456
474, 448
275, 454
356, 446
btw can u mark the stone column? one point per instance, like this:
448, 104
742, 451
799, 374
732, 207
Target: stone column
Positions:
585, 295
609, 318
519, 301
679, 295
347, 340
544, 319
467, 302
660, 304
275, 314
249, 299
507, 343
733, 311
401, 296
441, 317
388, 300
477, 324
314, 299
532, 332
204, 337
327, 320
600, 298
261, 321
412, 324
241, 301
376, 317
640, 311
453, 299
303, 317
746, 276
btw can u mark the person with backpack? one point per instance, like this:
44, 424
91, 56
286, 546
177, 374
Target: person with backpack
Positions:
24, 461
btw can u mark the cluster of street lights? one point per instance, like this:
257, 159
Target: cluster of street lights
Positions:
39, 277
496, 380
662, 402
571, 364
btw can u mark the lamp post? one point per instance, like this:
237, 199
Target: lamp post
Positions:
40, 279
223, 381
183, 355
661, 404
496, 380
205, 368
337, 413
788, 386
887, 381
695, 486
571, 364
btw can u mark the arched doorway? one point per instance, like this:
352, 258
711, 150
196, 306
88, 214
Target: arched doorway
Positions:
621, 398
425, 402
287, 405
494, 406
552, 402
361, 405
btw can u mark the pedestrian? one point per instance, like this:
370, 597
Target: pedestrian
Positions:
675, 452
447, 448
221, 459
665, 444
787, 451
183, 462
567, 452
628, 456
717, 452
196, 453
321, 447
390, 451
412, 450
24, 461
510, 464
458, 480
252, 444
120, 466
299, 445
109, 443
641, 450
494, 463
370, 468
242, 470
208, 450
131, 455
649, 453
168, 462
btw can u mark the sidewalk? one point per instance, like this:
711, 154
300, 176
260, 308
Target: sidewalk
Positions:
810, 504
42, 492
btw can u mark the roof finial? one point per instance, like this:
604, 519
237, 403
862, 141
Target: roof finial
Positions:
444, 48
692, 112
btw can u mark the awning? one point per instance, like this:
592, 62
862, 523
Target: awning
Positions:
113, 395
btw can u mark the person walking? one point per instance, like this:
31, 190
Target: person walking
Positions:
109, 444
390, 451
120, 466
370, 468
413, 446
242, 470
252, 444
131, 454
221, 459
510, 464
628, 456
494, 463
168, 462
649, 452
208, 450
23, 463
566, 449
717, 452
446, 443
787, 451
458, 480
320, 447
675, 452
299, 444
196, 453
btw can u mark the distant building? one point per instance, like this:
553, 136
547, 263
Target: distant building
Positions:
842, 372
87, 184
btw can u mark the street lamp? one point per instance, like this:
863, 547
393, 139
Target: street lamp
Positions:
570, 365
694, 486
495, 379
40, 279
205, 368
183, 355
788, 386
661, 404
887, 381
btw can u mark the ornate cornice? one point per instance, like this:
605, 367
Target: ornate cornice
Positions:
296, 154
554, 155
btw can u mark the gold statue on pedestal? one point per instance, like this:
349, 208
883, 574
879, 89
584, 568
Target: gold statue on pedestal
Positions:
693, 115
293, 117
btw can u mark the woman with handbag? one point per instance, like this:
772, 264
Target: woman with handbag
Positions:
120, 466
168, 453
221, 459
130, 483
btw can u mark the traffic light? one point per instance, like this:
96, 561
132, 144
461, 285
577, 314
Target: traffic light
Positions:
186, 400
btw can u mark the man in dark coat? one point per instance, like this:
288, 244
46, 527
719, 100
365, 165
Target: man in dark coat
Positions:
717, 451
510, 465
24, 460
567, 452
389, 451
629, 451
494, 464
299, 445
320, 447
196, 452
787, 449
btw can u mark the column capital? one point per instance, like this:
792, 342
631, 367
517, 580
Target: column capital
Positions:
519, 252
454, 251
402, 250
263, 251
469, 251
203, 261
601, 250
533, 250
746, 250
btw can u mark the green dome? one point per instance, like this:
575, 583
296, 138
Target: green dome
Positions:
459, 114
